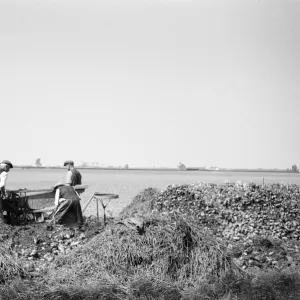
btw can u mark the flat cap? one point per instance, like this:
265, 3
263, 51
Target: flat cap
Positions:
7, 162
69, 162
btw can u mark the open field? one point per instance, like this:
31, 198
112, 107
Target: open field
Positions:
187, 242
127, 184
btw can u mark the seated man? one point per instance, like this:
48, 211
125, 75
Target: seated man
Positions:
68, 210
73, 175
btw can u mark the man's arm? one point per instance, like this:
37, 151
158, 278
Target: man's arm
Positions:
69, 178
3, 178
56, 197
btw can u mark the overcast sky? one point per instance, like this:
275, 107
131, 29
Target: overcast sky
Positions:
151, 83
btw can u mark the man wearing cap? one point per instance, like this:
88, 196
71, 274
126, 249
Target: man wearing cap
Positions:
73, 175
5, 166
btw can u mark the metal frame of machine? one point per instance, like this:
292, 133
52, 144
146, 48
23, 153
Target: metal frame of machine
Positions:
25, 205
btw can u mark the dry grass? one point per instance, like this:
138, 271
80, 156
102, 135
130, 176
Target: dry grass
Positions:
151, 288
9, 267
142, 204
19, 290
169, 250
262, 286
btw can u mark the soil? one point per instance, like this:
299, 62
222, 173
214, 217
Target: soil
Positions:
36, 245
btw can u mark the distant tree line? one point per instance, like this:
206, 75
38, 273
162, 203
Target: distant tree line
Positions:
38, 162
181, 166
96, 165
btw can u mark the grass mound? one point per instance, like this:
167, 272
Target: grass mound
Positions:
31, 290
169, 250
147, 288
262, 286
142, 204
9, 267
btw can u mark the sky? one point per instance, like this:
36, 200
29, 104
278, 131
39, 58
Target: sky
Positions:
150, 83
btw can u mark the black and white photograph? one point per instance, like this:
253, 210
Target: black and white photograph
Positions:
149, 150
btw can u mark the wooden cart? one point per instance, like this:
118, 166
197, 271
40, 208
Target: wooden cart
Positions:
23, 205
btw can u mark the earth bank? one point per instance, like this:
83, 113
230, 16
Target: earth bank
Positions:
185, 242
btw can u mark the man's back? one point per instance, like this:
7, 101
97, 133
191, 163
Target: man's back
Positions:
73, 177
68, 192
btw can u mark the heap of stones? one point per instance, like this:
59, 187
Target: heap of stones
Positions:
259, 223
237, 211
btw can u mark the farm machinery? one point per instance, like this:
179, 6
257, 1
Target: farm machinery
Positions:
25, 205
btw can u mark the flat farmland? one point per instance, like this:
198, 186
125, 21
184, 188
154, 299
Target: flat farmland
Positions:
128, 183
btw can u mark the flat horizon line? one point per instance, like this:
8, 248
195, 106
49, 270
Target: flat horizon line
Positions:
188, 169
